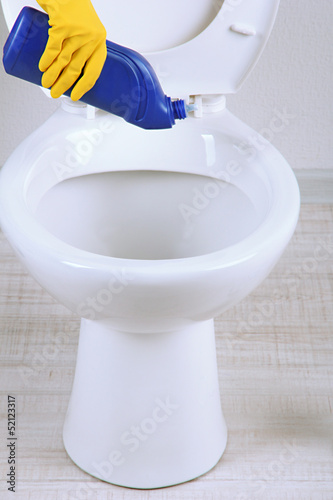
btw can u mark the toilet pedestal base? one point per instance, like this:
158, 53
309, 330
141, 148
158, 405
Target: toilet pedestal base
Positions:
145, 408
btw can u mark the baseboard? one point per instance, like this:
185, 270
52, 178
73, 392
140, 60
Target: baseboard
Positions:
316, 186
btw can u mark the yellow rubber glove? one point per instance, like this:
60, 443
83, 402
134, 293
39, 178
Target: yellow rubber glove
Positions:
76, 41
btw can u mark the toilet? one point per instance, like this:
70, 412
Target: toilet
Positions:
149, 235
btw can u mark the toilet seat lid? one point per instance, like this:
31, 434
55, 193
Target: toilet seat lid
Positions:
195, 46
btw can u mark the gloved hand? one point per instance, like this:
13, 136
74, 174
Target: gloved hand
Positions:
76, 41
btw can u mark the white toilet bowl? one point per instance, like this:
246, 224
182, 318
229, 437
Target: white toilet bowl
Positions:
147, 244
147, 236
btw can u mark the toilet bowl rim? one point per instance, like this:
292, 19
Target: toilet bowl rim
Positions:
280, 217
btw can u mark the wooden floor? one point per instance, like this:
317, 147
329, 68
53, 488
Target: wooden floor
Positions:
275, 357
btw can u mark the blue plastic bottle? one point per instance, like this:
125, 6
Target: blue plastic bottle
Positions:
127, 87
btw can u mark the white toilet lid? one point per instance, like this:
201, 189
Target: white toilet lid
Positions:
195, 46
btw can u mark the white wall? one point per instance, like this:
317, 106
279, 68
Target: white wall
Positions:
292, 75
295, 73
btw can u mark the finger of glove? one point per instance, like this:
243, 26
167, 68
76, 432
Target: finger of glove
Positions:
51, 75
92, 71
72, 71
52, 49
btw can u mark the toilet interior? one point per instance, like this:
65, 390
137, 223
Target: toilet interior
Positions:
149, 214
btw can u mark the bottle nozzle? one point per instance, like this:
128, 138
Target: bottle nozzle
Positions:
191, 107
179, 109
